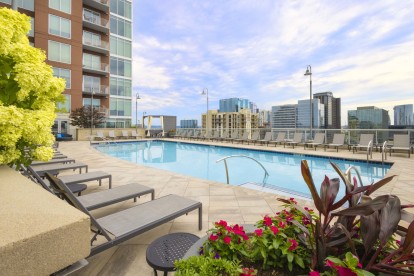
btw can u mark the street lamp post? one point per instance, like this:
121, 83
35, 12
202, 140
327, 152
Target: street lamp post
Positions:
205, 92
91, 113
309, 73
136, 111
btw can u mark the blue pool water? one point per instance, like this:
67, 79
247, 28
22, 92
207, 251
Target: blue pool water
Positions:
200, 161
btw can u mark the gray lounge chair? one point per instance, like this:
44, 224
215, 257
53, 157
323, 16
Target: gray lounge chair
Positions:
255, 137
56, 168
297, 138
318, 140
216, 136
53, 161
126, 224
338, 141
224, 136
365, 142
100, 135
244, 137
125, 134
111, 135
279, 139
401, 143
233, 136
266, 139
86, 177
135, 134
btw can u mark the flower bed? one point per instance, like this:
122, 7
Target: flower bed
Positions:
358, 240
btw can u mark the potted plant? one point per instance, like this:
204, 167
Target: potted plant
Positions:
355, 235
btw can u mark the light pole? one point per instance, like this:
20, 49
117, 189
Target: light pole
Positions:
136, 111
91, 112
309, 73
205, 92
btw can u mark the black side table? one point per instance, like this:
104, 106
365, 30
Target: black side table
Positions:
162, 252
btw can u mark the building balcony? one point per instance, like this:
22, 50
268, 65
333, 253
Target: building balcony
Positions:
100, 5
101, 47
103, 110
95, 23
102, 90
96, 68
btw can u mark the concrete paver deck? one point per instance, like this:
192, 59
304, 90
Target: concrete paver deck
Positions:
220, 201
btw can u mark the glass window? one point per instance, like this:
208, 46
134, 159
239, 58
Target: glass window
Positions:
59, 26
26, 4
61, 5
121, 67
64, 107
121, 7
120, 26
120, 47
120, 87
92, 39
96, 102
64, 74
91, 84
59, 52
9, 1
91, 16
91, 61
31, 32
120, 107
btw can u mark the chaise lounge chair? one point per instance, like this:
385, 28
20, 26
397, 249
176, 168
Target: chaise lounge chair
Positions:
53, 161
365, 142
56, 168
279, 139
255, 137
126, 224
135, 134
244, 137
319, 140
266, 139
124, 134
297, 138
402, 143
338, 141
111, 135
100, 135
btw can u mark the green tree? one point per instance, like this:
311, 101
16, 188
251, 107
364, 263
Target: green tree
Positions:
28, 94
81, 117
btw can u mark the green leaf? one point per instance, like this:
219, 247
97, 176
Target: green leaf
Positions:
290, 257
290, 266
299, 261
351, 260
276, 243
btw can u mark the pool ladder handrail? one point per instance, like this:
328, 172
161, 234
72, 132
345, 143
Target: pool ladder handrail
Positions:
245, 156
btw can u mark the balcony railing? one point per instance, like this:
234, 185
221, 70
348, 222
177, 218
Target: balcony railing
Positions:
95, 22
102, 90
96, 43
102, 5
95, 67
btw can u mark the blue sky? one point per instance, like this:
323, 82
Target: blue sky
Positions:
362, 51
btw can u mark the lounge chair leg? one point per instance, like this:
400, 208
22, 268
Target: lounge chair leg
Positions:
135, 199
200, 218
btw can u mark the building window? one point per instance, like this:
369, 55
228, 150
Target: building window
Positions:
120, 107
120, 67
59, 26
26, 4
59, 52
96, 102
120, 47
120, 26
91, 16
61, 5
92, 39
121, 7
64, 107
91, 84
91, 61
6, 1
120, 87
64, 74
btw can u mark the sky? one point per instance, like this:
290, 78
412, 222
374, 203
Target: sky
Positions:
361, 51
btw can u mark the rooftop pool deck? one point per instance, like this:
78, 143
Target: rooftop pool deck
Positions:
220, 201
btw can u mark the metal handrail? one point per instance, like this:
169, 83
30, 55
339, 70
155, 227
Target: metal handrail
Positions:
369, 150
384, 151
245, 156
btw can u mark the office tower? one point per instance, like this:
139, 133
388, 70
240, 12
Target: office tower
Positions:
369, 117
88, 43
284, 116
318, 114
403, 115
235, 105
332, 109
188, 123
264, 118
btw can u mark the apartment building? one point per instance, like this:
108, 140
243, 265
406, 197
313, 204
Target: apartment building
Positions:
332, 109
403, 115
89, 44
244, 119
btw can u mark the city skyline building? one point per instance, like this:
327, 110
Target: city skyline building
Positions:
236, 104
318, 114
189, 123
244, 119
332, 109
403, 115
264, 118
89, 44
284, 116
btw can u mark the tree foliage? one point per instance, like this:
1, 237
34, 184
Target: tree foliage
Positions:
28, 94
81, 117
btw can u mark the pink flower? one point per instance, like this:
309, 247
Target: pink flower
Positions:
213, 237
274, 229
281, 224
277, 213
247, 271
292, 200
314, 273
259, 232
359, 265
227, 240
330, 263
398, 242
267, 221
293, 243
222, 223
344, 271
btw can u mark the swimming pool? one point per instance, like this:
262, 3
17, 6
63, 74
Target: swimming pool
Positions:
200, 161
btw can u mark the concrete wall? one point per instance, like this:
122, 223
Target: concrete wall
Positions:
83, 134
39, 233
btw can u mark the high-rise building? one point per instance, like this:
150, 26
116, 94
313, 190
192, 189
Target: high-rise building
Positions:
332, 109
264, 118
244, 119
369, 117
318, 114
235, 105
188, 123
284, 116
88, 43
403, 115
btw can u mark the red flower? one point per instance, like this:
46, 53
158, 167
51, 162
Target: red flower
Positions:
293, 243
222, 223
293, 200
247, 271
314, 273
227, 240
259, 232
344, 271
329, 263
281, 224
267, 221
213, 237
274, 229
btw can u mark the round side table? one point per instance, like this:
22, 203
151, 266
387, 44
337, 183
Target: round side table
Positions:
162, 252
